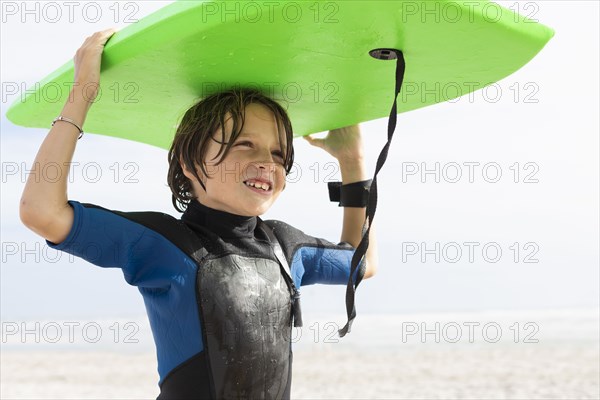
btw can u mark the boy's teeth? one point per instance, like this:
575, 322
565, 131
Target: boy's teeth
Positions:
263, 186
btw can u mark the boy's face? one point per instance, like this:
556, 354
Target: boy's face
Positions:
255, 158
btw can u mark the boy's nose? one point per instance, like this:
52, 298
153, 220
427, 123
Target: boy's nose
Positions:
265, 165
266, 160
263, 170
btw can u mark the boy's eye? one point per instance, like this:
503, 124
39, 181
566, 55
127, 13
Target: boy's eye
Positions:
279, 159
278, 154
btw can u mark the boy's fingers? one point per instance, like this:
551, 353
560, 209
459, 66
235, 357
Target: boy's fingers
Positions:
313, 141
109, 32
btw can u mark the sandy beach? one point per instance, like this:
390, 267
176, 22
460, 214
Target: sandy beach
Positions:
375, 363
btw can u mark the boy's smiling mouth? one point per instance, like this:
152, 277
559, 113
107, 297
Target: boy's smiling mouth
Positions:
259, 185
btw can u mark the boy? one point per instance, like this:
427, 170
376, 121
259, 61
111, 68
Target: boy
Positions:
219, 285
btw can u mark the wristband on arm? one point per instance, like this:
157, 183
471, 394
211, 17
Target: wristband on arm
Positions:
70, 121
354, 194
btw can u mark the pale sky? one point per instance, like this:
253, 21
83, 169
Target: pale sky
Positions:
548, 133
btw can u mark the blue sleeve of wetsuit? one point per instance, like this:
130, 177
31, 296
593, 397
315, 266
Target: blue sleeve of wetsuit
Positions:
313, 260
109, 240
324, 262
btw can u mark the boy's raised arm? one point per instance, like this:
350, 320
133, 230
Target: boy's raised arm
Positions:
345, 144
354, 217
43, 206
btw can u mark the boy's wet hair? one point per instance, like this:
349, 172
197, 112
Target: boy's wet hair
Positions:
201, 122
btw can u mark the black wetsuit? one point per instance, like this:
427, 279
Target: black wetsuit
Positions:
217, 300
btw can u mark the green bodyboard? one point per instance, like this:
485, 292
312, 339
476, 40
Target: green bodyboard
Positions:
312, 56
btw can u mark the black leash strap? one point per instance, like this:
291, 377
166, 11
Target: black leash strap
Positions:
361, 250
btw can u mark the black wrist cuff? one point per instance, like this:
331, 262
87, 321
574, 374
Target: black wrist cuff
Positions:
354, 194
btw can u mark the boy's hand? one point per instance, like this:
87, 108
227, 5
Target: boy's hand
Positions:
87, 62
345, 144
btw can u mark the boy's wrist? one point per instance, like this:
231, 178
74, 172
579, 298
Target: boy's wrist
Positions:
352, 170
77, 106
83, 93
354, 194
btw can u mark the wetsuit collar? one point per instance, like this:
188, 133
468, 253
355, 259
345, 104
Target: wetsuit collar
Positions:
222, 223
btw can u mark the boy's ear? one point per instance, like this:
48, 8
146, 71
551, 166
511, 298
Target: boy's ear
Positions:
186, 171
189, 174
